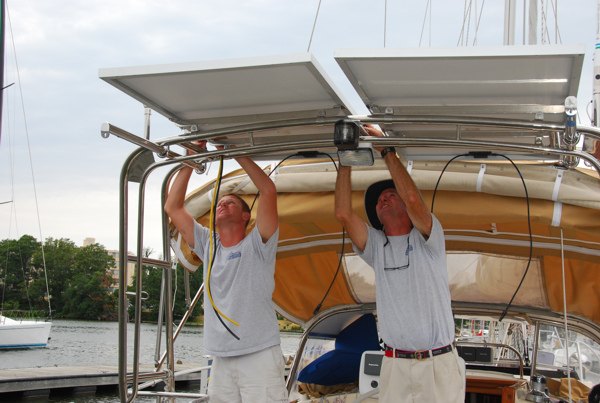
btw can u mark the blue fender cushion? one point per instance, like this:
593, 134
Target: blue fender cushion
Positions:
342, 365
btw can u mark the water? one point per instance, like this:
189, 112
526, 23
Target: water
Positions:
80, 343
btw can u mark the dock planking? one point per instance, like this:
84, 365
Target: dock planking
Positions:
29, 380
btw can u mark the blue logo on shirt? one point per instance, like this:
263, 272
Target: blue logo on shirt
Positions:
235, 255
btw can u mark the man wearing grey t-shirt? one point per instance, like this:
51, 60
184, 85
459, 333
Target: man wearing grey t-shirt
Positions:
248, 363
405, 247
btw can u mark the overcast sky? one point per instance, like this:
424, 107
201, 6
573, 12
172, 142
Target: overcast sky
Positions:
61, 44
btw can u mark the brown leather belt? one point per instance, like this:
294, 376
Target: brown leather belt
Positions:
417, 355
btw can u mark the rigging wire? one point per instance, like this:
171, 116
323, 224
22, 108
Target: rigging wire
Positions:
562, 259
528, 218
478, 22
424, 21
30, 158
384, 23
461, 36
557, 37
314, 25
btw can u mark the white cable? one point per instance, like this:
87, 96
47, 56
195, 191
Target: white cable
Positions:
314, 25
562, 258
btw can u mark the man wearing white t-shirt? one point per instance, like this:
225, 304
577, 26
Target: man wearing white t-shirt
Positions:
248, 364
405, 247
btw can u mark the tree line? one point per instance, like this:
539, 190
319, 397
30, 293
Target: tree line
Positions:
79, 282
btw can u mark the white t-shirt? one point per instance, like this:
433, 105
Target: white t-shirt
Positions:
242, 284
413, 298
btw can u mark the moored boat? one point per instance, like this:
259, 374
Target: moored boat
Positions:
23, 333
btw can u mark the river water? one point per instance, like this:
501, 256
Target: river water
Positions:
80, 343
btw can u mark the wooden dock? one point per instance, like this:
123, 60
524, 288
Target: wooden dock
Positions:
88, 379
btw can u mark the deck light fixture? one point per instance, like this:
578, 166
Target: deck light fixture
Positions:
351, 152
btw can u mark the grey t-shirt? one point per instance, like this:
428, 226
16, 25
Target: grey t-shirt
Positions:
242, 284
413, 298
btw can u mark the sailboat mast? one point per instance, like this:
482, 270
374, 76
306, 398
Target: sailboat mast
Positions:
2, 30
596, 120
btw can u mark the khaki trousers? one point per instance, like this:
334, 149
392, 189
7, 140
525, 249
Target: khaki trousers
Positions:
436, 379
251, 378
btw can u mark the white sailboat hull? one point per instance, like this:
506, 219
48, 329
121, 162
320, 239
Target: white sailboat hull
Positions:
23, 333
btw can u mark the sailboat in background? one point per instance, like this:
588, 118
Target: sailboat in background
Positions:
32, 330
23, 333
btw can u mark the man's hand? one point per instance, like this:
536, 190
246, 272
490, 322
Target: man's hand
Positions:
199, 143
375, 132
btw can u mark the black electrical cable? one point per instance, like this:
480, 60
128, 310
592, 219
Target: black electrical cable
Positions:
318, 308
530, 240
313, 154
214, 234
485, 155
440, 178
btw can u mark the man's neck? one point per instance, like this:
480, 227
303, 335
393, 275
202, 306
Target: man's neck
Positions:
398, 227
231, 235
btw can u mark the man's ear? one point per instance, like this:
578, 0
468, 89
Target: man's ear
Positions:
246, 216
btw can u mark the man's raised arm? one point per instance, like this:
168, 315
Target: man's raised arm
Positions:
416, 208
356, 227
182, 220
267, 218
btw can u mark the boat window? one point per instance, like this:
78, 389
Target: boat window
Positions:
473, 277
584, 354
361, 278
488, 278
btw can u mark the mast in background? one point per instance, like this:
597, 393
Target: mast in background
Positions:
596, 97
2, 30
509, 22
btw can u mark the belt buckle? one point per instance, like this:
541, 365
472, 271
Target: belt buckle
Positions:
420, 355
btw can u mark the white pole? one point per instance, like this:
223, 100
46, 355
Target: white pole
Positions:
509, 22
596, 101
533, 21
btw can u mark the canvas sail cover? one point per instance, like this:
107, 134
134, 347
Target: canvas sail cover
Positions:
487, 236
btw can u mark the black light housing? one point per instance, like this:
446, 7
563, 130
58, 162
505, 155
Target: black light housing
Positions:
346, 135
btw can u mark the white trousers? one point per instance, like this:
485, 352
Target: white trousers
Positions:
436, 379
251, 378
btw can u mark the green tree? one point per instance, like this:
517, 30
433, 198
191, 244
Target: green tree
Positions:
88, 296
18, 274
60, 266
151, 284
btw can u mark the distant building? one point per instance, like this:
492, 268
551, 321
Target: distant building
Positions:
114, 271
89, 241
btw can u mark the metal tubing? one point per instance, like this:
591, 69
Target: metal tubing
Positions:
178, 373
173, 394
150, 262
535, 348
170, 386
150, 376
168, 292
184, 320
298, 357
108, 129
159, 324
393, 141
123, 301
464, 121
